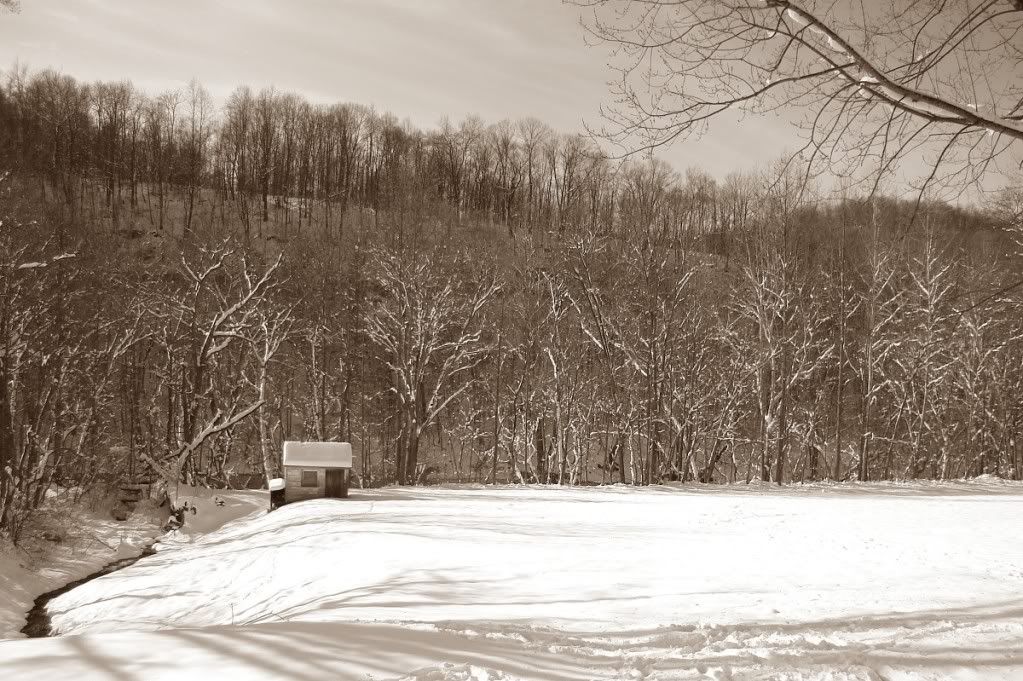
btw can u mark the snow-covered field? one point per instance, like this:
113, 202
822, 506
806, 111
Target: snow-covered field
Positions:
919, 581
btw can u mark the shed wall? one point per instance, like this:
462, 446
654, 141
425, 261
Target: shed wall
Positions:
293, 490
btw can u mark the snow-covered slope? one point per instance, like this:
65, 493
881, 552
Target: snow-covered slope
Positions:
850, 582
89, 539
56, 550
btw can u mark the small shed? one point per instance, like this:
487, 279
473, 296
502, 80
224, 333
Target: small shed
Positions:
315, 470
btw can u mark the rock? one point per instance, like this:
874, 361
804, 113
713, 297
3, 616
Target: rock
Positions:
120, 512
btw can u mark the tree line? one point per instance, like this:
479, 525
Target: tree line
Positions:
184, 286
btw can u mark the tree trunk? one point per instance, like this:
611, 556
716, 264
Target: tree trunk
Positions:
497, 412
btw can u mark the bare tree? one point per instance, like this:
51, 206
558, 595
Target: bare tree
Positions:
215, 308
880, 303
271, 329
875, 82
431, 335
196, 132
160, 129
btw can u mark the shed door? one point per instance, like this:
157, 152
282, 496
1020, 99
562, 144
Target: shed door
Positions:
336, 483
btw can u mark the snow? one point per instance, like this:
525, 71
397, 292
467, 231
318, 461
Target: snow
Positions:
214, 509
89, 538
39, 565
36, 265
839, 582
318, 454
794, 16
835, 47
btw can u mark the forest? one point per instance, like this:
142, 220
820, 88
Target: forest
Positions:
185, 284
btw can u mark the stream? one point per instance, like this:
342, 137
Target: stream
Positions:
37, 622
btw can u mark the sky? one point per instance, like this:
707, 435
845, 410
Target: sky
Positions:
418, 59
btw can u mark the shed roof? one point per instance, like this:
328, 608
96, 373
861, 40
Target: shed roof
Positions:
318, 454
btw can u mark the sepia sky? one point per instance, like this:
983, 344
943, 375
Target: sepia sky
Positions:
418, 59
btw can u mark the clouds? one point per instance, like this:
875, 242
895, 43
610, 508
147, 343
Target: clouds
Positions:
420, 60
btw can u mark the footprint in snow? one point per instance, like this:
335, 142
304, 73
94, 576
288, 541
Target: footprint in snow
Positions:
456, 672
716, 673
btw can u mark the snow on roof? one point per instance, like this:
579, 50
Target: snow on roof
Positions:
318, 454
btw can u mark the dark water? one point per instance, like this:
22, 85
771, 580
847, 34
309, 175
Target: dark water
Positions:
37, 624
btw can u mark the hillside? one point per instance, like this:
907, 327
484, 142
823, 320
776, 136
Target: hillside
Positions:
475, 302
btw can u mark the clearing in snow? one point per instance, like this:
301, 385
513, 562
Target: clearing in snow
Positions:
884, 581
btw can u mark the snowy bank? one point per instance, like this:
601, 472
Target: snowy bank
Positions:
75, 548
90, 539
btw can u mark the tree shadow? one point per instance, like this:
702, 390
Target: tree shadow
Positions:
928, 641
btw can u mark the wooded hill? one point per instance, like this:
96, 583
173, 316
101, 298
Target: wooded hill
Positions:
184, 287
